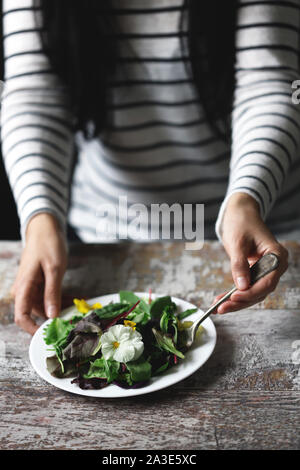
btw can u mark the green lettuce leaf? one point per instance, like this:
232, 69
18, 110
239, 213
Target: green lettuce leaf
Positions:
158, 305
186, 313
169, 321
141, 313
139, 317
140, 370
161, 368
112, 310
60, 369
103, 369
57, 331
131, 298
166, 343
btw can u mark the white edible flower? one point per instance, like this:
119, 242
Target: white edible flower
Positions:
122, 344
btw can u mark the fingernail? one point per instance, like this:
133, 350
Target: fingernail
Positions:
51, 311
242, 283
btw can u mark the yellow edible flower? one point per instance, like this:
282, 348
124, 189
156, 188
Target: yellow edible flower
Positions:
97, 305
130, 323
84, 307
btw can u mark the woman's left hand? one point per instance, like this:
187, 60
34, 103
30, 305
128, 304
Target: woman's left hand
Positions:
246, 238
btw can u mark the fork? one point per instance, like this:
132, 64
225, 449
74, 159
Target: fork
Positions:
266, 264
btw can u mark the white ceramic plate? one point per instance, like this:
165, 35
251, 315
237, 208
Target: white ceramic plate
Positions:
194, 358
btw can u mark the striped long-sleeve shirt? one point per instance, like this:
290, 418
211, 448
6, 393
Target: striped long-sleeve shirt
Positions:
160, 147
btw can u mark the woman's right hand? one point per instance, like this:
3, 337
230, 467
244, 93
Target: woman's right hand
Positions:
37, 288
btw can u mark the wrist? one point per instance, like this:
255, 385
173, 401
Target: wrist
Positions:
243, 201
240, 208
42, 223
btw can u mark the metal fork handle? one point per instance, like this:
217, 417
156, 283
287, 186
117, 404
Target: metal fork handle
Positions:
265, 265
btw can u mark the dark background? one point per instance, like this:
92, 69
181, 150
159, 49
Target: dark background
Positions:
9, 225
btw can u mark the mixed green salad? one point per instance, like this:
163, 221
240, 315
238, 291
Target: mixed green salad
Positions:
124, 343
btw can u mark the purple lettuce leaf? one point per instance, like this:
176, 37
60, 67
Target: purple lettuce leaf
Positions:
81, 347
126, 384
90, 384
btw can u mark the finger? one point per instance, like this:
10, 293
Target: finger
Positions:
282, 255
230, 306
13, 290
23, 306
267, 284
38, 304
216, 299
263, 287
240, 268
39, 312
52, 295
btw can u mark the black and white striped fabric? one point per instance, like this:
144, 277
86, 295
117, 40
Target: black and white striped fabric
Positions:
160, 147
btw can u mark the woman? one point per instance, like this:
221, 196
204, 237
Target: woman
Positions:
147, 89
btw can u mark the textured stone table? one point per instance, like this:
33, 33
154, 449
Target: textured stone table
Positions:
247, 395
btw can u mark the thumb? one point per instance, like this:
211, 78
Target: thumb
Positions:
240, 268
52, 294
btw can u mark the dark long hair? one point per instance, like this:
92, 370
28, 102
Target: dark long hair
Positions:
80, 39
